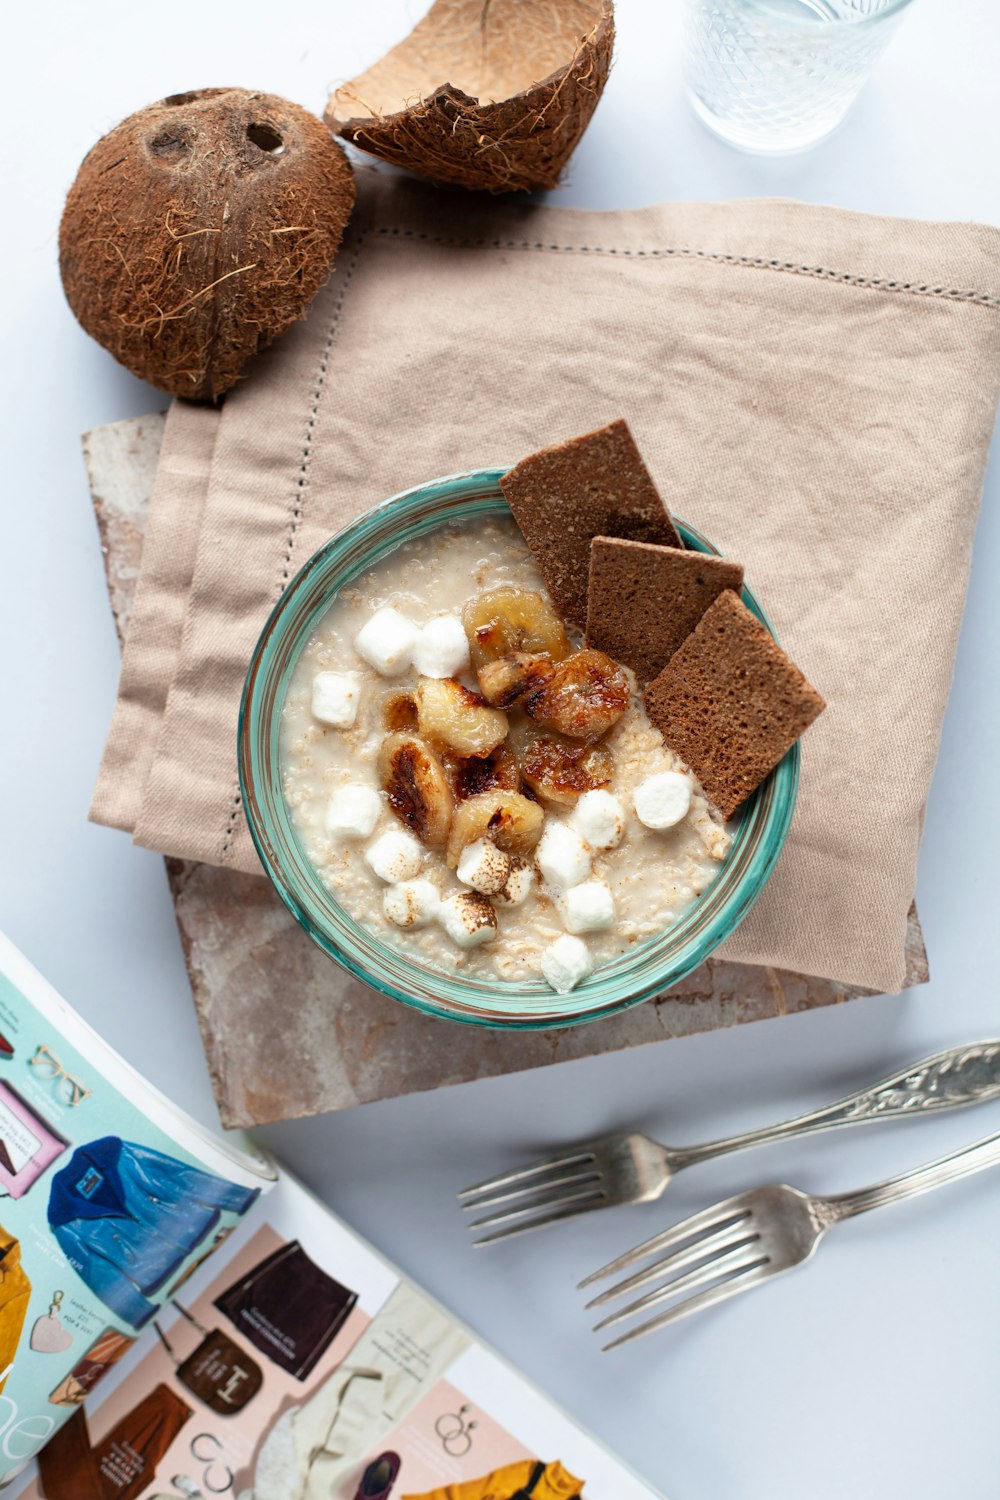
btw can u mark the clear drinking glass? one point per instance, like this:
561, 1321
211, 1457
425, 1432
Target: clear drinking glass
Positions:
779, 75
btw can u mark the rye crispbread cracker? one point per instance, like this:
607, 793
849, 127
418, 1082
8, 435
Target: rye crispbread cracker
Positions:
594, 485
644, 600
731, 703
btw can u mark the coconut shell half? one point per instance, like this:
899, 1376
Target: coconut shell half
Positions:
490, 94
200, 228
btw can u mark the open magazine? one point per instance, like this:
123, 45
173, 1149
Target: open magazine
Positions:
174, 1323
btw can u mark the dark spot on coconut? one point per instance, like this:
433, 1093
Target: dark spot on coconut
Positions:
266, 137
170, 146
189, 98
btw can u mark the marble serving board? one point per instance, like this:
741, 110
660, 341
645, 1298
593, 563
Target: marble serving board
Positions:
286, 1032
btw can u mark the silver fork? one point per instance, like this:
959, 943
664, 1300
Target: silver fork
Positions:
745, 1241
633, 1168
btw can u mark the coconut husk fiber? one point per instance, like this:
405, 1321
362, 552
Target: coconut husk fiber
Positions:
199, 229
489, 94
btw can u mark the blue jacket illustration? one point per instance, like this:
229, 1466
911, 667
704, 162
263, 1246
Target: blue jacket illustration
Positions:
126, 1217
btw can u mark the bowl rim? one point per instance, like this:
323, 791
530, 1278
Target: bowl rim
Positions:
338, 934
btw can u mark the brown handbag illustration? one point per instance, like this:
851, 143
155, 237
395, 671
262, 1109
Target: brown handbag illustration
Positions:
218, 1372
15, 1291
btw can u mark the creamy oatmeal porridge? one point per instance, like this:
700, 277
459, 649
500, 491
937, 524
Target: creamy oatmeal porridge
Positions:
453, 824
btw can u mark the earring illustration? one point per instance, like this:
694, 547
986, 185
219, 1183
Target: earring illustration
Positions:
455, 1432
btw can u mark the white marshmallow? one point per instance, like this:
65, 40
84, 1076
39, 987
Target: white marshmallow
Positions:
566, 962
353, 811
519, 884
468, 919
589, 907
395, 855
483, 866
662, 800
442, 648
599, 819
562, 856
335, 698
411, 903
387, 641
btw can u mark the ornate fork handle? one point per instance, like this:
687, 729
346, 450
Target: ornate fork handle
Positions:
948, 1080
974, 1158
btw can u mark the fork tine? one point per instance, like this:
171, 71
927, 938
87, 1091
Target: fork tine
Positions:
581, 1155
588, 1188
706, 1270
569, 1179
710, 1220
569, 1212
702, 1250
739, 1280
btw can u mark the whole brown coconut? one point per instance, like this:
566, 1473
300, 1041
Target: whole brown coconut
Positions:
200, 228
491, 94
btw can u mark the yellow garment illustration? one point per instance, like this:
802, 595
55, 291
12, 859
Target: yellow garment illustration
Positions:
15, 1290
553, 1482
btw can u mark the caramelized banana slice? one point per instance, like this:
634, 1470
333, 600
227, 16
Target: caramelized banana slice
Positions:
450, 715
508, 619
588, 692
512, 822
399, 712
503, 681
487, 773
560, 771
413, 779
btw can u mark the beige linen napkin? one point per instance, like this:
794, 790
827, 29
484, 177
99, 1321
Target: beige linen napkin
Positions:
812, 388
157, 620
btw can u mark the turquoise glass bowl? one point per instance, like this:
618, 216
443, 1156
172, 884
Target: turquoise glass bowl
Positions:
646, 970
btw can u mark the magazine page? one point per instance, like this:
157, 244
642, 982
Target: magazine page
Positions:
299, 1365
110, 1197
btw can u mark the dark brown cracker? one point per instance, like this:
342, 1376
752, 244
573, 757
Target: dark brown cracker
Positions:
595, 485
730, 702
644, 601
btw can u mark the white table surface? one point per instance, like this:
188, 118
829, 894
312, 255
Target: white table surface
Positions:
876, 1371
